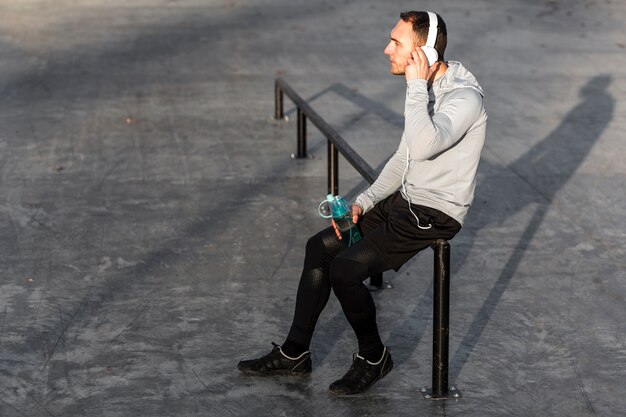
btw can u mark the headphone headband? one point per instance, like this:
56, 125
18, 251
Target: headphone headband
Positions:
432, 29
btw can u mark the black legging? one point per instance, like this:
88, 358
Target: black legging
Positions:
329, 264
391, 226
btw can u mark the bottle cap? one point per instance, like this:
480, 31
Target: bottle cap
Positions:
333, 206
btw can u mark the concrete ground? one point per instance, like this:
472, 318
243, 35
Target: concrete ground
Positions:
153, 223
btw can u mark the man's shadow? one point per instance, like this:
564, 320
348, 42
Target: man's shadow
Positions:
545, 168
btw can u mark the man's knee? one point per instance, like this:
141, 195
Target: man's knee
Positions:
345, 273
322, 248
324, 241
314, 244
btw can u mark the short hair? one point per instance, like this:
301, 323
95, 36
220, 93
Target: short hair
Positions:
421, 23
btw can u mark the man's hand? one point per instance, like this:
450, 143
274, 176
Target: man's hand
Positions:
417, 66
357, 212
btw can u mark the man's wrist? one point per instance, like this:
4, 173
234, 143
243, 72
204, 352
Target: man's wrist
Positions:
364, 202
417, 84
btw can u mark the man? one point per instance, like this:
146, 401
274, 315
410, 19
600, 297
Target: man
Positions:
422, 194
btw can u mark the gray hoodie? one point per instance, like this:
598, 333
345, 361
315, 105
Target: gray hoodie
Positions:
444, 132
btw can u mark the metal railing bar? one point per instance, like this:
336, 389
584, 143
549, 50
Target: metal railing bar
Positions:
340, 144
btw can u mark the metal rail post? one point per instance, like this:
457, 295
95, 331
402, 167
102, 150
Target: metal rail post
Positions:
441, 325
376, 281
278, 101
301, 134
333, 169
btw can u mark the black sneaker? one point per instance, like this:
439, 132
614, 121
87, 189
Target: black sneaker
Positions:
277, 363
362, 375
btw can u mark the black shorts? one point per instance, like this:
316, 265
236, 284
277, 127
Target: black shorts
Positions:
392, 230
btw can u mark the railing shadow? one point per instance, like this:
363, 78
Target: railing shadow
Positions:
90, 303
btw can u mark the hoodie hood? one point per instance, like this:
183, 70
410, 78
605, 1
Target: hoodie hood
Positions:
457, 76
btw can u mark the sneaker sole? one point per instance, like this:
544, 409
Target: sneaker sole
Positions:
277, 372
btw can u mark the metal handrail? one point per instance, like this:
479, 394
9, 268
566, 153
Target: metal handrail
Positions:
336, 144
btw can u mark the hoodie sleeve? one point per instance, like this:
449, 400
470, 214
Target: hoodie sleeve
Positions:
388, 181
426, 136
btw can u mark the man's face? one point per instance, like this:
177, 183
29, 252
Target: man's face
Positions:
400, 46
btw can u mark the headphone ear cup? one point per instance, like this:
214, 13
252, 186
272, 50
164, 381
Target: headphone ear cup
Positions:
431, 54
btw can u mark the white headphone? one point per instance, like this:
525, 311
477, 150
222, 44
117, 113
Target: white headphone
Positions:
429, 48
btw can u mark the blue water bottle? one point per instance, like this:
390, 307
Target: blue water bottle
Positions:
340, 211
